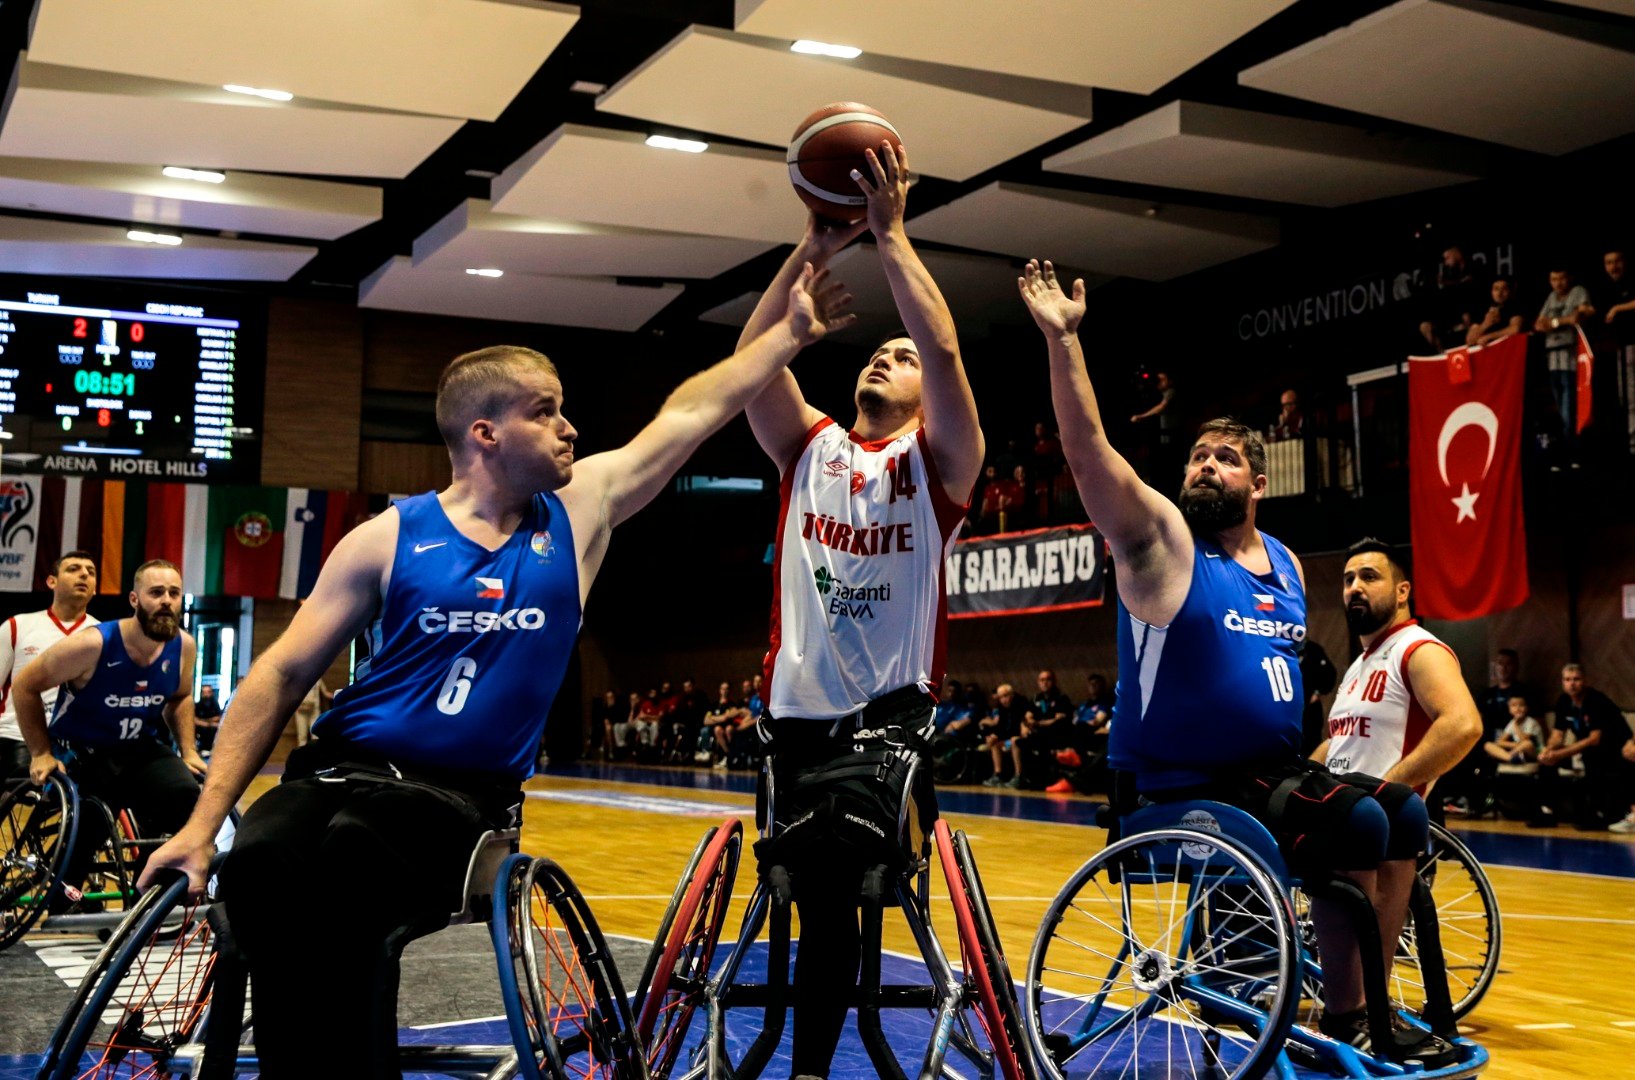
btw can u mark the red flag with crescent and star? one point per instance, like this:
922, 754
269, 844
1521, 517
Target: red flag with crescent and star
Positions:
1464, 471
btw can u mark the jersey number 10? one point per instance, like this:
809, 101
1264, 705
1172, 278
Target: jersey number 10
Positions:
1277, 673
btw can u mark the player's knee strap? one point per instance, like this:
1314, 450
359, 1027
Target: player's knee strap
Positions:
1410, 829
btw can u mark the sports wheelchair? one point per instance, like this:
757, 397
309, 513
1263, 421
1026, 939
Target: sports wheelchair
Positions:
39, 826
1178, 951
167, 995
678, 981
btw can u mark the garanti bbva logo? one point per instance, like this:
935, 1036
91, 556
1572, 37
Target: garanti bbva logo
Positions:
852, 602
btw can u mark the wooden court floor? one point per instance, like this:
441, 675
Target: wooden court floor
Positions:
1560, 1008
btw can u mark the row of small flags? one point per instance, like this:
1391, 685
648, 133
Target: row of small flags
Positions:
228, 540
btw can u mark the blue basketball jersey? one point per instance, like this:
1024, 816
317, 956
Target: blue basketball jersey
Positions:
470, 646
122, 700
1220, 685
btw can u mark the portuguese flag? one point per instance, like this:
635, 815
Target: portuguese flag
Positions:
243, 541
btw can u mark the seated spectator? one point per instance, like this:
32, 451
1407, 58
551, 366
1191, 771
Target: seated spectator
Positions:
682, 724
1562, 309
1047, 451
1588, 727
645, 720
1291, 421
1084, 759
1002, 499
998, 727
953, 713
626, 733
605, 716
754, 702
1503, 316
206, 719
1469, 787
1627, 823
1615, 303
1454, 304
1521, 740
1046, 726
721, 720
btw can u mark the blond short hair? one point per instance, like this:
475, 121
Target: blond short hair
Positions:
482, 384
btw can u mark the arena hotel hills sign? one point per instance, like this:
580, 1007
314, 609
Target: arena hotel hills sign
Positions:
1363, 297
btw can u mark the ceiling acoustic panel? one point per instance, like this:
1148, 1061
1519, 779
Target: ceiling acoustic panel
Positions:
591, 174
1116, 44
37, 246
1538, 81
472, 235
244, 202
1187, 144
457, 58
1100, 233
596, 302
76, 115
949, 132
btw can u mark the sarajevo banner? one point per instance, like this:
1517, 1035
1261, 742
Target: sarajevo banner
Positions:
1022, 573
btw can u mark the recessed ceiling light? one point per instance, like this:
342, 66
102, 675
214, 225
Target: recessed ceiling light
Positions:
482, 174
823, 48
665, 142
145, 237
585, 86
203, 176
484, 271
256, 91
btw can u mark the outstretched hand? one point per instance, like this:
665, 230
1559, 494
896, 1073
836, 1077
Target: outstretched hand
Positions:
824, 238
817, 306
1055, 311
886, 187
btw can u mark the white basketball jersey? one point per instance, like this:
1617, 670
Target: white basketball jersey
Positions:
22, 639
1376, 721
858, 608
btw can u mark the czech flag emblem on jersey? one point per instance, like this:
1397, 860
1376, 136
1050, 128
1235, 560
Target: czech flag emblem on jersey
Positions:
490, 588
1265, 602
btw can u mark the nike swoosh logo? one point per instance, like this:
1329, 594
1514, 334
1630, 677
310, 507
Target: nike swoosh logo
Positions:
1210, 555
418, 548
114, 663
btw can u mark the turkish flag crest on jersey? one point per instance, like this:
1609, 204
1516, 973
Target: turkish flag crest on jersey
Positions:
1464, 466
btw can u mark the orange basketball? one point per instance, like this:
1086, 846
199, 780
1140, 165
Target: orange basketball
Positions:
827, 146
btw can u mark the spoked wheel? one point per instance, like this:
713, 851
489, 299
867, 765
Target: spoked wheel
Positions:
678, 969
36, 833
146, 994
1470, 930
1169, 954
950, 760
982, 959
566, 1007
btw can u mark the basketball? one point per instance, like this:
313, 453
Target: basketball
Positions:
825, 149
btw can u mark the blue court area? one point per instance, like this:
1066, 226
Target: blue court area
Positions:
1562, 849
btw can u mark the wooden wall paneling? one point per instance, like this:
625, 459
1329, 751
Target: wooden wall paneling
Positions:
314, 395
387, 468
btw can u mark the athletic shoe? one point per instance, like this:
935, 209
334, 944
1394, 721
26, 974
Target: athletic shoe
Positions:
1459, 807
1069, 758
994, 781
1412, 1046
1064, 786
1014, 783
1627, 825
720, 766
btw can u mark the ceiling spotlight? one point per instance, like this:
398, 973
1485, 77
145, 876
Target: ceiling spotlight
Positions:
256, 91
145, 237
1152, 211
585, 86
823, 48
484, 271
665, 142
203, 176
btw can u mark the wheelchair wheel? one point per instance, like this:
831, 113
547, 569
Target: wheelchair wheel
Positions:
567, 1009
950, 760
1170, 953
679, 966
1468, 916
981, 957
36, 834
146, 994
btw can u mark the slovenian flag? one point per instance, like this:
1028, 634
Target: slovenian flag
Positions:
314, 523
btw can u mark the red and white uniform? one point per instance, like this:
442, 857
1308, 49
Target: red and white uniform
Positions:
858, 608
22, 639
1376, 721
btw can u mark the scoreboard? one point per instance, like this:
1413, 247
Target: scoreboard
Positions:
128, 381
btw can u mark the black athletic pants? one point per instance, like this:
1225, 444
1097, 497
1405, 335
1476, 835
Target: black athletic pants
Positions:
14, 759
323, 869
143, 776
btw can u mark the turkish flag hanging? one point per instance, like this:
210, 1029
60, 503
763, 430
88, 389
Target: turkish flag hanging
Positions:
1464, 471
1586, 381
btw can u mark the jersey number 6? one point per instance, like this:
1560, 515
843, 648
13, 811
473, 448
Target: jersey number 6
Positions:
457, 687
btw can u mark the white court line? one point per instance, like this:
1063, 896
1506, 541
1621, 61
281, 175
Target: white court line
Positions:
1509, 915
1624, 1023
1544, 1027
457, 1023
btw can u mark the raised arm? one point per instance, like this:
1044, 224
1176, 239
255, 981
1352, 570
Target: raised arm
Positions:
68, 661
1144, 529
951, 426
179, 710
779, 415
609, 487
1438, 685
345, 598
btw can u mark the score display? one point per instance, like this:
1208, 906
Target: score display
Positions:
128, 381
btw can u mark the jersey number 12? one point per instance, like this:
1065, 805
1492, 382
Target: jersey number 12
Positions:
1277, 673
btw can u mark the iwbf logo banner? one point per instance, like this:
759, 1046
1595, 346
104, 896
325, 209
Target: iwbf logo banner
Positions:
19, 531
1025, 572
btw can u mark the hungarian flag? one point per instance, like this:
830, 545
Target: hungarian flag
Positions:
1464, 464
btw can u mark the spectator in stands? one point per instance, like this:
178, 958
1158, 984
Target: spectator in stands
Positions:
1084, 758
683, 721
998, 727
605, 716
1291, 421
646, 716
1503, 316
1557, 319
1522, 738
1009, 458
721, 721
1047, 451
755, 703
1615, 303
206, 719
1003, 500
1588, 727
1627, 823
1318, 676
1468, 788
953, 713
1046, 726
1454, 304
